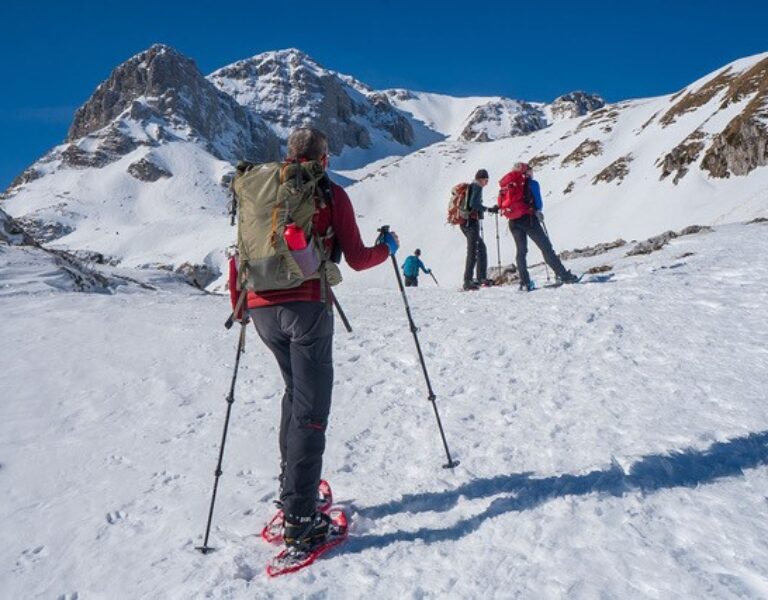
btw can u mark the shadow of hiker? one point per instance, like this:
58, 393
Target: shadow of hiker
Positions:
687, 468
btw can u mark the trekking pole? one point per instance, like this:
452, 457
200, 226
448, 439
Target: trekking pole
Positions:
343, 317
205, 548
498, 243
383, 230
434, 278
544, 227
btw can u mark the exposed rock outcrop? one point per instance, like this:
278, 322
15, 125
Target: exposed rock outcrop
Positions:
583, 151
740, 148
197, 275
681, 156
576, 104
146, 170
659, 241
697, 98
592, 250
618, 169
542, 159
502, 118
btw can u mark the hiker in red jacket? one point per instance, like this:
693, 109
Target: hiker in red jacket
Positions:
520, 201
297, 326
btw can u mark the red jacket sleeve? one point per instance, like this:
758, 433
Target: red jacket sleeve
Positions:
356, 253
234, 289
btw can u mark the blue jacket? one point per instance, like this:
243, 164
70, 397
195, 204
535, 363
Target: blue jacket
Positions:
412, 265
533, 185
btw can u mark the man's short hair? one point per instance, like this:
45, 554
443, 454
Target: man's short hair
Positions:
307, 143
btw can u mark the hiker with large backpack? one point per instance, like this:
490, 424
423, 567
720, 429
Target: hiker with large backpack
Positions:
466, 210
294, 226
411, 268
520, 201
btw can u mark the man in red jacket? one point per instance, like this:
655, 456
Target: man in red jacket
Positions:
297, 326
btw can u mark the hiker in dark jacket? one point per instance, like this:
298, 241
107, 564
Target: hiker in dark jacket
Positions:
524, 209
298, 328
411, 268
477, 255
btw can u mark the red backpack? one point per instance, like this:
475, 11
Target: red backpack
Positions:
515, 198
457, 205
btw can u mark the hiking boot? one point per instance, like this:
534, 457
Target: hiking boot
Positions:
487, 282
569, 277
470, 285
527, 287
304, 533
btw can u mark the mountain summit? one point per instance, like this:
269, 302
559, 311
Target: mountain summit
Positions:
288, 89
162, 88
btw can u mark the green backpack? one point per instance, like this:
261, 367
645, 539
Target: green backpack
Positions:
268, 198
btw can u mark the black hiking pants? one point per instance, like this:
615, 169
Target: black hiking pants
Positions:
300, 335
477, 255
411, 281
530, 227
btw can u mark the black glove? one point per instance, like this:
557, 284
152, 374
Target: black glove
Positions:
493, 209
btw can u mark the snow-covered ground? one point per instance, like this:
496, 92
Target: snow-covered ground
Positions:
613, 439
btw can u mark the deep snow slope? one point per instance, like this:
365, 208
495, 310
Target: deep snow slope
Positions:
613, 439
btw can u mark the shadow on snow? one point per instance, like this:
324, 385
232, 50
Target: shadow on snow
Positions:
688, 468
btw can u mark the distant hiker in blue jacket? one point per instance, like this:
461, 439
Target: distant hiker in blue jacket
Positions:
411, 268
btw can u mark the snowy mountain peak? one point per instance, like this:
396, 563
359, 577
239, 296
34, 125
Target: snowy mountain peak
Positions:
288, 89
151, 74
162, 93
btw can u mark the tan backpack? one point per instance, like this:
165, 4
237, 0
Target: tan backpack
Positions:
269, 197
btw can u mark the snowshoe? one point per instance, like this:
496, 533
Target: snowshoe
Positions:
273, 530
297, 556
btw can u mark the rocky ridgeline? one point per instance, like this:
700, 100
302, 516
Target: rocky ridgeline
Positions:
288, 89
81, 278
742, 145
507, 118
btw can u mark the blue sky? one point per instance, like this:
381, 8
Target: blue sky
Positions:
54, 54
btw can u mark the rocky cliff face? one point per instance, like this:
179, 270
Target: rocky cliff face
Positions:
12, 233
288, 89
161, 87
575, 104
502, 118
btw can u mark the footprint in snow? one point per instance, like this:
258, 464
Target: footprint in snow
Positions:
30, 556
72, 596
115, 517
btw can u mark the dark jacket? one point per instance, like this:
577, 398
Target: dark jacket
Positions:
475, 201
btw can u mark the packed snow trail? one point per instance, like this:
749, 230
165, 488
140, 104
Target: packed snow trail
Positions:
613, 439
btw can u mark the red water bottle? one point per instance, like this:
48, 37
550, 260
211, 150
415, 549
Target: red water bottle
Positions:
294, 237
